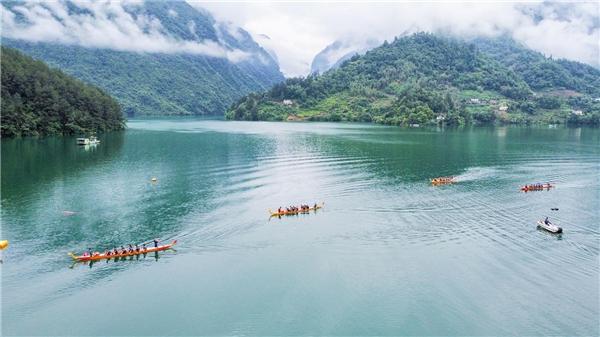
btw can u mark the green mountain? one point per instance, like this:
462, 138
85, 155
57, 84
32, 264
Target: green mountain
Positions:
37, 100
427, 79
540, 72
158, 83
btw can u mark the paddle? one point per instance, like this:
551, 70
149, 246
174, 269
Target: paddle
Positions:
147, 242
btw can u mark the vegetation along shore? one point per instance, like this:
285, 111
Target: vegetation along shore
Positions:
429, 79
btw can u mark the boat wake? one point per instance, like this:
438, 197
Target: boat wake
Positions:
477, 173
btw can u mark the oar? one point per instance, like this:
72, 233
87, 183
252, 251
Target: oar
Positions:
147, 242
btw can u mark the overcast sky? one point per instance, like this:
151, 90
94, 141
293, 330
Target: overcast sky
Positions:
298, 31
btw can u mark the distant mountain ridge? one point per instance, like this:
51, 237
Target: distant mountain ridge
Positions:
156, 83
332, 56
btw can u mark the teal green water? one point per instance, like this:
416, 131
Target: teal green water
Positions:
388, 255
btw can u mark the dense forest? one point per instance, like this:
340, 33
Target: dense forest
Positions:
164, 83
428, 79
37, 100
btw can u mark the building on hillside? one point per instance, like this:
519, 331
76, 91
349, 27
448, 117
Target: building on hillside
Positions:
475, 101
577, 112
493, 102
503, 108
440, 118
287, 102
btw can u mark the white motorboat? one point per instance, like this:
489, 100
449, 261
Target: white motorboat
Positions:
550, 227
88, 141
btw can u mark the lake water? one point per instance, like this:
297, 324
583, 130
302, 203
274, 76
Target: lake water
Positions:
389, 254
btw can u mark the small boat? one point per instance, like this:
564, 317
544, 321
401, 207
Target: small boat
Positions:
442, 180
3, 244
94, 140
98, 256
536, 187
550, 227
88, 141
285, 212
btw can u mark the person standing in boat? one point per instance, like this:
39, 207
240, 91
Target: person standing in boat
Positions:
546, 221
155, 242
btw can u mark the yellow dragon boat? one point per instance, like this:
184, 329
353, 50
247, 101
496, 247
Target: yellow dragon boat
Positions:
298, 211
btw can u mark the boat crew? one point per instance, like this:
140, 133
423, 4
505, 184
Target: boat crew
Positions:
315, 206
144, 248
137, 248
546, 221
130, 250
155, 243
90, 251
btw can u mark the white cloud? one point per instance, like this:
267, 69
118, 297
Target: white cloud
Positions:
106, 25
298, 31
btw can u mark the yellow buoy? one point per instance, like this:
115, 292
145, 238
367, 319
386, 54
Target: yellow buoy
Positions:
3, 244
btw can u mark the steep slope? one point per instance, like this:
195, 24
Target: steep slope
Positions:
163, 82
37, 100
417, 79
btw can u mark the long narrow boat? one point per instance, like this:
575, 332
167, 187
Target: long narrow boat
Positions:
442, 180
536, 187
297, 211
552, 228
97, 256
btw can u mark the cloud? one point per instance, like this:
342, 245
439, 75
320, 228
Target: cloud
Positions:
298, 31
102, 24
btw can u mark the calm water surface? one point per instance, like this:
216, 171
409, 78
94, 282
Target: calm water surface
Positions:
388, 255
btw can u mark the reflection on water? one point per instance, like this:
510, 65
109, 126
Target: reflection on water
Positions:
390, 254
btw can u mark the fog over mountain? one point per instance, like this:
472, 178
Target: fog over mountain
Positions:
153, 57
339, 51
299, 31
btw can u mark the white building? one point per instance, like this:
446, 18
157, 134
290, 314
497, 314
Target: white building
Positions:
577, 112
288, 102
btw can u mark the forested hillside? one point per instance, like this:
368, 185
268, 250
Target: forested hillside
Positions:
159, 83
37, 100
541, 72
421, 79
